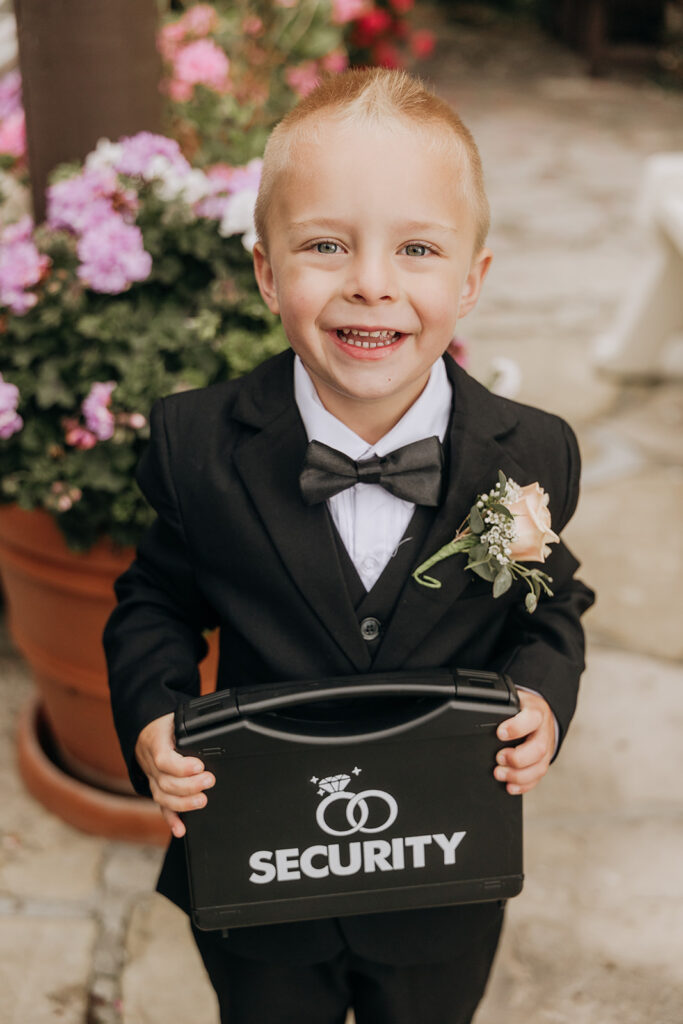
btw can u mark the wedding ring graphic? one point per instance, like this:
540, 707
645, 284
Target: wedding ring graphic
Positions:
357, 808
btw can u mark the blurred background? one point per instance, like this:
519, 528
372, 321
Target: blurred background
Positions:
130, 138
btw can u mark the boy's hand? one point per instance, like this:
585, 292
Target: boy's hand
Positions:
176, 781
521, 767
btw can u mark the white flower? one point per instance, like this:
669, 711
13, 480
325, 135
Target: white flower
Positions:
106, 154
238, 218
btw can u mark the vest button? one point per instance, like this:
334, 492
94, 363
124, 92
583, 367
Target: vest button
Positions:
370, 628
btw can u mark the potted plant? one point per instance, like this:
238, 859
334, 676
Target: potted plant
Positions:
139, 284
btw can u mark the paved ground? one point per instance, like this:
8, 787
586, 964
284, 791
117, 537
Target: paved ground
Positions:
596, 936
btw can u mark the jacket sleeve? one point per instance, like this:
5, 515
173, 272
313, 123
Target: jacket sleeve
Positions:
153, 639
544, 650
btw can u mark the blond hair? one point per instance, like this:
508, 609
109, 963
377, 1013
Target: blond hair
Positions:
379, 95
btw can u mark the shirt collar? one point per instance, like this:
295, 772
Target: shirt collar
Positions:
428, 416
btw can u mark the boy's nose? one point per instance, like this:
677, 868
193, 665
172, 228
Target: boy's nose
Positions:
371, 279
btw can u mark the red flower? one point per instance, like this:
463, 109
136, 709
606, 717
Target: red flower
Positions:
422, 42
402, 6
386, 55
368, 28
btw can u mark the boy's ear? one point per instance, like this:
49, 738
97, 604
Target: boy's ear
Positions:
474, 281
264, 278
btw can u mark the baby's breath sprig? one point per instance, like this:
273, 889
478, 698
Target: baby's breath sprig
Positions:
489, 537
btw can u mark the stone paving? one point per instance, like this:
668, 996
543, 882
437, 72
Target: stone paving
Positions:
596, 936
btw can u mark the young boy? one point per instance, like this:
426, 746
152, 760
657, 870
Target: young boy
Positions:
371, 221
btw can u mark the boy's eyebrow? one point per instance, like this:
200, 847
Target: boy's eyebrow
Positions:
408, 226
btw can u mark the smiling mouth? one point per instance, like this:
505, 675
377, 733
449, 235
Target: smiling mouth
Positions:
368, 339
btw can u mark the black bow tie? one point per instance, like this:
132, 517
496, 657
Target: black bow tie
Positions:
412, 472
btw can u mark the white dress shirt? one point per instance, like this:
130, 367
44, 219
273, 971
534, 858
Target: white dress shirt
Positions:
370, 520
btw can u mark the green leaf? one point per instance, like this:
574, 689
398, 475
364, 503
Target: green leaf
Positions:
478, 552
502, 480
476, 521
484, 570
502, 582
530, 602
502, 510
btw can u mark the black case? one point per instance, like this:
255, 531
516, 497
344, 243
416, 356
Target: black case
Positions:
350, 796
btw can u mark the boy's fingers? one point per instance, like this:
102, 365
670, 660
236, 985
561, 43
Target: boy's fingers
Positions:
174, 822
524, 755
522, 776
185, 786
176, 803
525, 721
169, 762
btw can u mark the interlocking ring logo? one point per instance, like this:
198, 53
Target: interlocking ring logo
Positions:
357, 811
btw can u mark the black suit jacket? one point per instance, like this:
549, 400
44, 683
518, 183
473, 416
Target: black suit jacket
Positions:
234, 546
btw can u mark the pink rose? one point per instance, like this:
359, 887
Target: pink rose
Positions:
532, 525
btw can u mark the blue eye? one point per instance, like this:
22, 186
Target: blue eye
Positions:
416, 249
328, 248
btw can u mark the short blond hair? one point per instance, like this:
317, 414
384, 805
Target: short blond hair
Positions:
379, 95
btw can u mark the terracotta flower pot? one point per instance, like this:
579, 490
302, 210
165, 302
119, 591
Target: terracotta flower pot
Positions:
58, 603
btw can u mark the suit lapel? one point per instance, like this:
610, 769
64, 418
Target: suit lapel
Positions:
268, 462
477, 426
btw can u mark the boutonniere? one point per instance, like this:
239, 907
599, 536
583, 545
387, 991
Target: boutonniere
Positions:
505, 528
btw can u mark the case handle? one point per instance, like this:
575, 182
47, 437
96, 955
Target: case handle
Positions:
263, 698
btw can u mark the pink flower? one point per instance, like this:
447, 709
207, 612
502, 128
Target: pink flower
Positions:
77, 436
335, 61
532, 525
10, 94
21, 267
140, 150
10, 421
252, 25
226, 181
13, 135
200, 20
303, 78
112, 256
422, 42
457, 349
203, 63
170, 39
348, 10
83, 201
180, 92
20, 231
99, 419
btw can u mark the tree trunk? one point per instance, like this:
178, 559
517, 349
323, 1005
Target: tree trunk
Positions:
90, 69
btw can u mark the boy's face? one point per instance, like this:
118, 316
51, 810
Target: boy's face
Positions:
368, 232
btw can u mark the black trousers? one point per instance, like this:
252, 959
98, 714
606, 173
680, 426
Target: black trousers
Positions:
254, 992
